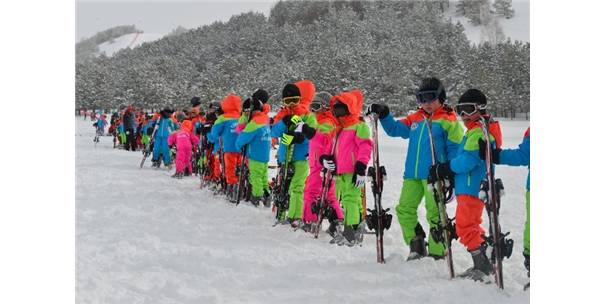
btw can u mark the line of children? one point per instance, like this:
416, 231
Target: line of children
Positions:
332, 136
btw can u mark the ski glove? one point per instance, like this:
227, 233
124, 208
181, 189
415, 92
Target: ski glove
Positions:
291, 120
287, 139
439, 171
495, 153
379, 109
328, 162
359, 176
308, 131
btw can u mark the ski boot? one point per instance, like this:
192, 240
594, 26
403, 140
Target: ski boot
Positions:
481, 265
527, 265
255, 200
295, 223
359, 232
307, 227
177, 175
187, 172
349, 236
418, 248
337, 235
266, 198
155, 164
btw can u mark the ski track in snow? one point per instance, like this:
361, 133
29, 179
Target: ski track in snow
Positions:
143, 237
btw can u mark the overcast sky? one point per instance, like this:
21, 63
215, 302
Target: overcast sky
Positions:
161, 17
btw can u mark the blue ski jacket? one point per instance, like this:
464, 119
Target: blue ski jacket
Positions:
447, 134
519, 156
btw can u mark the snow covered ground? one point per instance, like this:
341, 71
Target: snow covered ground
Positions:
143, 237
130, 40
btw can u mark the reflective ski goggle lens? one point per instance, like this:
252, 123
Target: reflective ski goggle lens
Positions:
427, 96
315, 106
290, 101
468, 108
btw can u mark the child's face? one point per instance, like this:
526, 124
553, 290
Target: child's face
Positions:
431, 106
471, 118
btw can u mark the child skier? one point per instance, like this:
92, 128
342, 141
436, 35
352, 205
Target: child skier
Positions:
99, 127
165, 127
296, 99
224, 131
352, 153
256, 135
468, 171
212, 171
447, 134
321, 141
515, 157
184, 139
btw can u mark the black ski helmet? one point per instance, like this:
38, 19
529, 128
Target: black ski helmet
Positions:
433, 84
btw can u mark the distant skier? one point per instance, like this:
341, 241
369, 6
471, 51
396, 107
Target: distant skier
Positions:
447, 133
468, 171
100, 127
130, 128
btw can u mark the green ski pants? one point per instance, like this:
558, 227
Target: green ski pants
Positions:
413, 191
297, 184
257, 177
350, 197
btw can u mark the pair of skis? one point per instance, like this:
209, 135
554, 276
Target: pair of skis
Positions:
322, 204
444, 230
281, 195
243, 172
378, 219
501, 246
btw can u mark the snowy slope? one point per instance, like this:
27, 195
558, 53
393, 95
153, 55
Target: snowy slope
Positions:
143, 237
130, 40
516, 28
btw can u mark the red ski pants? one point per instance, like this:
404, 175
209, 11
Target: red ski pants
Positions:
468, 220
232, 161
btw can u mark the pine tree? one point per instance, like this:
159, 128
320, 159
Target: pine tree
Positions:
503, 8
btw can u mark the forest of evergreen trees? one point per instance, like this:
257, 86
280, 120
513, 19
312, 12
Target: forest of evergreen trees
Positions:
381, 47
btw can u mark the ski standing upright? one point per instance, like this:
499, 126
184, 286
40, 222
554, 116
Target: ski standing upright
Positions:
444, 231
378, 219
501, 246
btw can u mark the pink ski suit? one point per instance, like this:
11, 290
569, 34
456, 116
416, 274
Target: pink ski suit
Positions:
353, 146
319, 145
185, 140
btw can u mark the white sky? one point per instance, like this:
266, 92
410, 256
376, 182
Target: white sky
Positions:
160, 17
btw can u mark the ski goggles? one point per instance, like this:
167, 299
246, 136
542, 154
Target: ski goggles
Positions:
428, 96
291, 101
469, 108
316, 106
